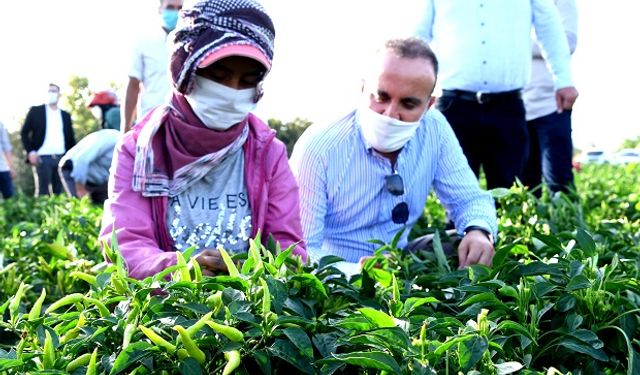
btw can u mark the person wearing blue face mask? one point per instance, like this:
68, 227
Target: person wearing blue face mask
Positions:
368, 175
148, 84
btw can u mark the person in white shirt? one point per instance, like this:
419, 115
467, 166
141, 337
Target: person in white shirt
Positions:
551, 146
485, 50
149, 84
46, 135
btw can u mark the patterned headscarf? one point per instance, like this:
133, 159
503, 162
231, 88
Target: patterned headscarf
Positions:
209, 25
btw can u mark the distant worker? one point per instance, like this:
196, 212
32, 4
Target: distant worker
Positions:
106, 109
85, 168
551, 146
46, 136
149, 84
7, 171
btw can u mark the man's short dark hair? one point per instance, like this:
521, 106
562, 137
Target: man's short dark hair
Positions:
54, 85
412, 48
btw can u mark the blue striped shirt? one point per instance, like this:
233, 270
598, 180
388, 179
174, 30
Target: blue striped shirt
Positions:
485, 45
343, 197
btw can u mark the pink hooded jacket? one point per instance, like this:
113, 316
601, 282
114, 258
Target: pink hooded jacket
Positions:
273, 198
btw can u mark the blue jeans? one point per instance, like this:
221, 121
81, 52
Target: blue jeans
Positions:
6, 185
550, 153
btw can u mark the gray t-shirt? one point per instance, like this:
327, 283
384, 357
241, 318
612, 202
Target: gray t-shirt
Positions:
213, 211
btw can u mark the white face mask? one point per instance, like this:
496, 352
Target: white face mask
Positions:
385, 134
220, 107
52, 97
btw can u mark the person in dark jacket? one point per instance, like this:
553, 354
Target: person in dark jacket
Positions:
46, 135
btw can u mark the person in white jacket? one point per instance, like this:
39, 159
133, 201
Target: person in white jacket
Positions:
551, 146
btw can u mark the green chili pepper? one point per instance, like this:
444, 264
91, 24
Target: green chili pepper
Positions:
266, 299
49, 353
129, 330
190, 345
92, 367
83, 360
156, 339
232, 333
231, 267
197, 326
184, 270
233, 361
119, 284
37, 306
84, 276
14, 305
104, 311
214, 301
197, 271
64, 301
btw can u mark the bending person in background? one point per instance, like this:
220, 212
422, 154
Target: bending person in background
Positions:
203, 171
7, 170
551, 146
368, 175
149, 84
106, 109
85, 168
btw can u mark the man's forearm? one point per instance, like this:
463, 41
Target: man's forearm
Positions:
130, 103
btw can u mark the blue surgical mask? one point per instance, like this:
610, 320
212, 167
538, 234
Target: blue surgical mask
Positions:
169, 19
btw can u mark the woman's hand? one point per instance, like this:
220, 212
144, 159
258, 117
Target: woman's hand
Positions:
211, 262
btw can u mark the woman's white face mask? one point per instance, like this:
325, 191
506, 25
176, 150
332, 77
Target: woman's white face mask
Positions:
220, 107
383, 133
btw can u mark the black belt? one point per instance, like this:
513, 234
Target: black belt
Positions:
482, 97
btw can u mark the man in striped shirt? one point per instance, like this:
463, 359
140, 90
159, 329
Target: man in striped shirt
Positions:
368, 175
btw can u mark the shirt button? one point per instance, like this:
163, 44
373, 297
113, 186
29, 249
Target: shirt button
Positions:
485, 62
481, 23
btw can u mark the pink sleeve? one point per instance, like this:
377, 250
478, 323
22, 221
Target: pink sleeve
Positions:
283, 210
130, 214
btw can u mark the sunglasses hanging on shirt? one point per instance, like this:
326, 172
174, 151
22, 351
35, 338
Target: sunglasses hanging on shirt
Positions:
395, 186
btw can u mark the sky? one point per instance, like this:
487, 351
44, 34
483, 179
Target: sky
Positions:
320, 49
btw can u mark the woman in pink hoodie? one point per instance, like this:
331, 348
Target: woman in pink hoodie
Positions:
202, 170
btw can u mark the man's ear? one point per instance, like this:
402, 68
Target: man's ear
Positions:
431, 102
259, 92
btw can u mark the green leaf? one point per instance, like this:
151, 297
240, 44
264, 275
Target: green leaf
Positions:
132, 354
8, 363
566, 303
326, 343
578, 282
377, 318
372, 360
488, 297
499, 193
587, 244
581, 347
508, 327
441, 258
312, 282
300, 339
413, 303
283, 255
58, 251
540, 268
279, 294
190, 366
328, 260
263, 360
508, 367
471, 351
285, 350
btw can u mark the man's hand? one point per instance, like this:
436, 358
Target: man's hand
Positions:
34, 158
211, 262
475, 248
565, 98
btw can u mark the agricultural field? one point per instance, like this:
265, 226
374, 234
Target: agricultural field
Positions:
563, 296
